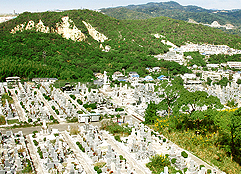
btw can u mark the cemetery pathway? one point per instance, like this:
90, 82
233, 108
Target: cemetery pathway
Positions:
80, 107
133, 163
46, 103
18, 107
33, 155
79, 156
60, 127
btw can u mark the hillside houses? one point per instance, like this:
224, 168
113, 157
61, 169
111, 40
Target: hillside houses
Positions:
236, 65
172, 56
207, 49
117, 75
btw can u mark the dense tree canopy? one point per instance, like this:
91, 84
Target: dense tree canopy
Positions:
34, 54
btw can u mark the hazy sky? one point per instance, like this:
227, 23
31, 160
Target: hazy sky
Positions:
8, 6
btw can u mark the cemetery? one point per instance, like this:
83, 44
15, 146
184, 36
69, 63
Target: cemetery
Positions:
119, 145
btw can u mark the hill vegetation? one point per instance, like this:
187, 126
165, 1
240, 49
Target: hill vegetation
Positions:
34, 54
176, 11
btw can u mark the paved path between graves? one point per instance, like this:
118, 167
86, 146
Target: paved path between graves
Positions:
60, 127
80, 107
17, 106
49, 107
79, 156
33, 155
138, 168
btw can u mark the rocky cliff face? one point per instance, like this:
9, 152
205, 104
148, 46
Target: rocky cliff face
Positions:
66, 28
95, 34
69, 31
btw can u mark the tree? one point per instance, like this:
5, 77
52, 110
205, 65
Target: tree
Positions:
170, 94
235, 129
209, 81
238, 81
118, 116
192, 103
150, 113
230, 125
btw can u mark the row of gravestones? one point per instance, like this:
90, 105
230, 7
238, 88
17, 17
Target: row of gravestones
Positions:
14, 156
56, 153
92, 141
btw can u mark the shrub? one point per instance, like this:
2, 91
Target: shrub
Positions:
79, 101
51, 117
158, 162
92, 106
209, 171
2, 120
200, 167
35, 142
122, 158
72, 120
115, 127
184, 154
117, 138
173, 160
96, 168
40, 153
99, 171
57, 111
55, 121
119, 109
34, 132
72, 96
80, 112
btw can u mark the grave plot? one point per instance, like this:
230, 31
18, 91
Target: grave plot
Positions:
8, 109
32, 106
14, 154
63, 106
135, 141
103, 155
53, 153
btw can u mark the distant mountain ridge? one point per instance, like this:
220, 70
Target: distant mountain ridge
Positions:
176, 11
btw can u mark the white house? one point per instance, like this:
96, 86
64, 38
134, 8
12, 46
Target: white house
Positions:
236, 65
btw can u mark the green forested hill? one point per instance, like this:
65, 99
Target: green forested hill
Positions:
176, 11
35, 54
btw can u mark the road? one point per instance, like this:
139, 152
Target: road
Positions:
60, 127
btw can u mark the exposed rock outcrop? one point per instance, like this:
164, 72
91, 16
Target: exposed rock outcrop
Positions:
66, 28
94, 33
69, 31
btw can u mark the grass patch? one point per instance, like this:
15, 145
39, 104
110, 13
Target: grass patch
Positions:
115, 128
204, 147
13, 121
